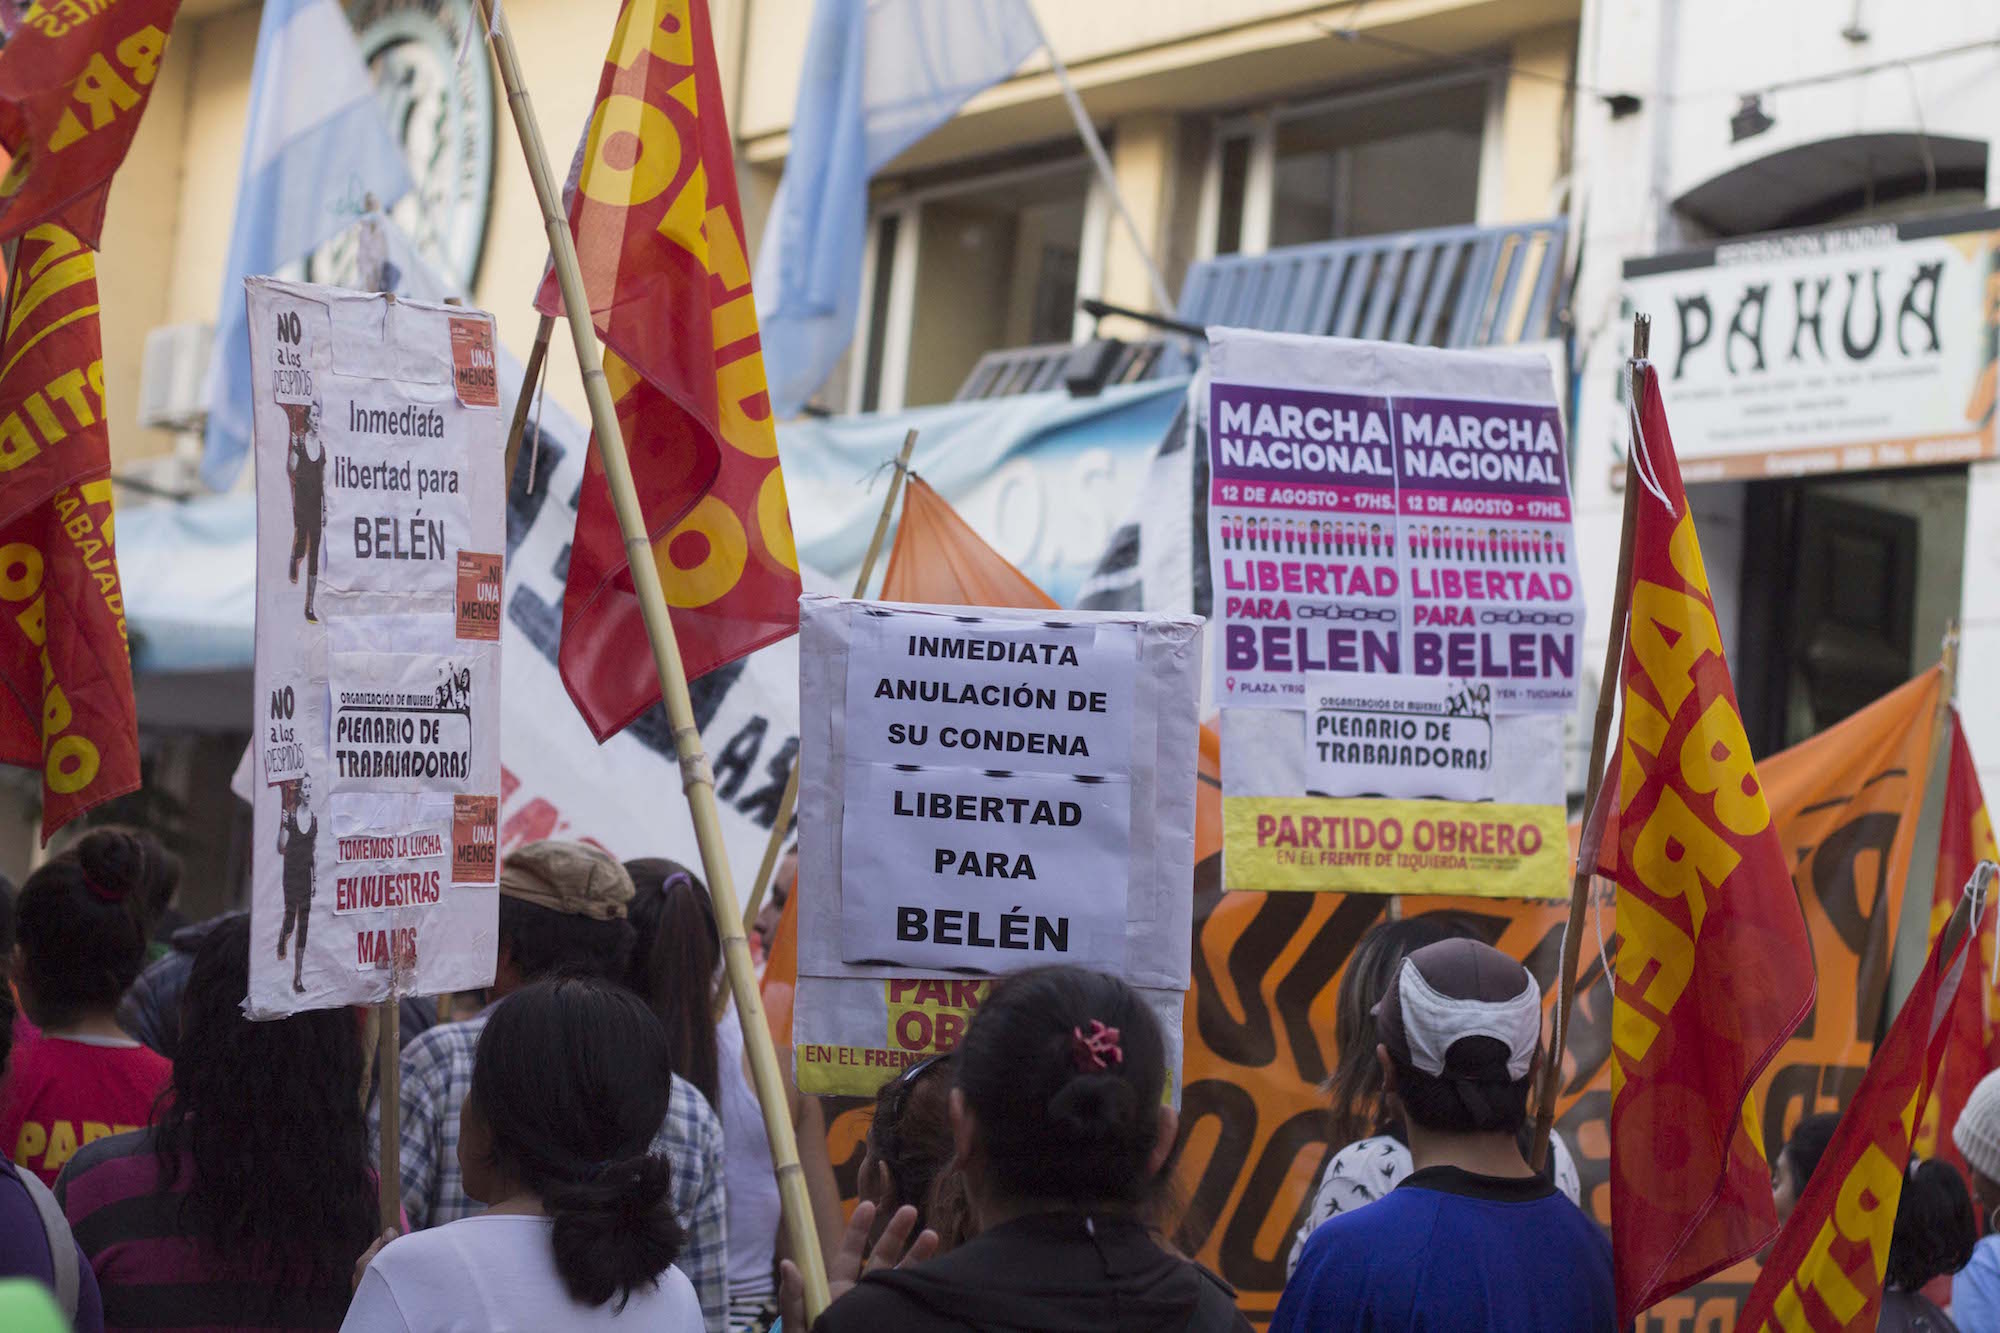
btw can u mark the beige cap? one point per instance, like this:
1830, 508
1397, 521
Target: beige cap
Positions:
1977, 1131
569, 877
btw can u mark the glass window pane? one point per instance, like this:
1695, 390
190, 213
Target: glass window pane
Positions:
878, 305
1229, 214
996, 267
1397, 164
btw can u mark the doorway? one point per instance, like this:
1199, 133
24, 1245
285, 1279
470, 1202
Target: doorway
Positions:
1847, 587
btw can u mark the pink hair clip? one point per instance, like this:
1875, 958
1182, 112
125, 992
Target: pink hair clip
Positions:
1098, 1050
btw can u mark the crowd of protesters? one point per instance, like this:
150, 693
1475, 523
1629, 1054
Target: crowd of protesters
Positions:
582, 1147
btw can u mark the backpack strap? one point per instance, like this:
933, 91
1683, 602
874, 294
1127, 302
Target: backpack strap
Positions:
62, 1244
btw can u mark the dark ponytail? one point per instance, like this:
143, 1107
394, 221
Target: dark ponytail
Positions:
1935, 1230
1066, 1110
674, 967
85, 917
570, 1080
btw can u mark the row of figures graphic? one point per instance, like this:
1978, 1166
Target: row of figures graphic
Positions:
1492, 546
1348, 537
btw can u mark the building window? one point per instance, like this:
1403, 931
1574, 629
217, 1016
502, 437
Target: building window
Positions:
1360, 164
1233, 167
878, 300
996, 267
962, 268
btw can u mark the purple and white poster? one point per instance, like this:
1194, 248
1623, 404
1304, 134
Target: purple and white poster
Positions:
1390, 529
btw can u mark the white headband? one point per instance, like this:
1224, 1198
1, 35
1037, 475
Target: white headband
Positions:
1432, 1022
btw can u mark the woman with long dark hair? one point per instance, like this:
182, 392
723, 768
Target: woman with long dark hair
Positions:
677, 968
246, 1202
569, 1087
1368, 1152
82, 925
1061, 1130
1934, 1236
906, 1159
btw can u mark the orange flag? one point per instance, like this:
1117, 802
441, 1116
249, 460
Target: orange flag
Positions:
1972, 1044
938, 559
1714, 969
659, 234
1825, 1272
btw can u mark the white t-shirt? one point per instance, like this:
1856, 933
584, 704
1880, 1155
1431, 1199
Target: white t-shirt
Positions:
496, 1273
755, 1209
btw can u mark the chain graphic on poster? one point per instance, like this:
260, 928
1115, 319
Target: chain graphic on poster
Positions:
379, 445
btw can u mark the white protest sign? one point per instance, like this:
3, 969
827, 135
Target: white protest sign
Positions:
1388, 511
1418, 737
1395, 579
1010, 743
984, 791
378, 441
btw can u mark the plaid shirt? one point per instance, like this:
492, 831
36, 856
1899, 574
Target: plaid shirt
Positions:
437, 1073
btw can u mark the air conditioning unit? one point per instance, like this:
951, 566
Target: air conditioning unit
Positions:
173, 378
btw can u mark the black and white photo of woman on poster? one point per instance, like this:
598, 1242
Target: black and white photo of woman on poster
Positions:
305, 464
298, 836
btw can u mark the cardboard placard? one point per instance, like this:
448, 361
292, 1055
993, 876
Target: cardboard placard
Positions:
983, 791
377, 491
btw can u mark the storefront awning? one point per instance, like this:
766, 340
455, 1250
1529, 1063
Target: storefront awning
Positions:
190, 577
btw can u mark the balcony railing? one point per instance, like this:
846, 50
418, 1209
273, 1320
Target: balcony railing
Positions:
1447, 287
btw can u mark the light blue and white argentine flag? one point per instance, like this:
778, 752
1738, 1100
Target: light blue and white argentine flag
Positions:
879, 75
315, 146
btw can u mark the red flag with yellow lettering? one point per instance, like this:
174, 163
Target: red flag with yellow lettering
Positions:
74, 81
660, 236
1714, 967
1825, 1272
1972, 1042
65, 678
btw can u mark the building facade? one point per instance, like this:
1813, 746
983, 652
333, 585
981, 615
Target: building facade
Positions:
1796, 194
1232, 129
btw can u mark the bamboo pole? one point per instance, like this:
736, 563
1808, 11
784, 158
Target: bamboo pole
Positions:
389, 1054
1600, 741
536, 355
782, 824
697, 780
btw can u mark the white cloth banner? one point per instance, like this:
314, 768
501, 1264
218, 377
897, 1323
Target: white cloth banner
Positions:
378, 440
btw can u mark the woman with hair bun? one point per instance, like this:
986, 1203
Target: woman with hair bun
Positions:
1061, 1127
82, 925
569, 1087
